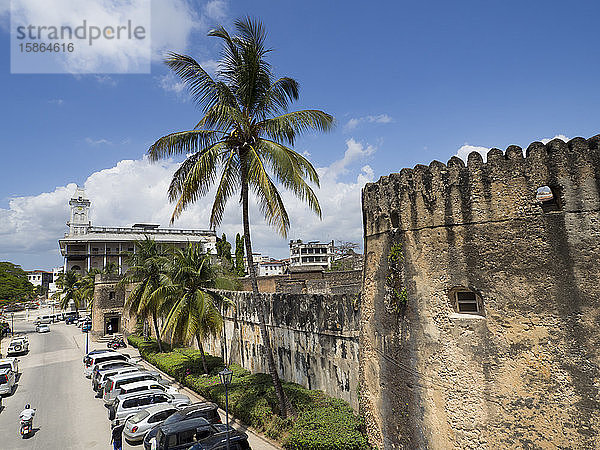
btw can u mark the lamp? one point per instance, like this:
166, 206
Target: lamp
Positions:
225, 375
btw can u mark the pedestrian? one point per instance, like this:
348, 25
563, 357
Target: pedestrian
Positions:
117, 436
109, 328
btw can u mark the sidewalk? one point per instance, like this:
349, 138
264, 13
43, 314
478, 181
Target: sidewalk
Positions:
257, 441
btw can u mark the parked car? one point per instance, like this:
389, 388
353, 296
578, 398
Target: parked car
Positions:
205, 410
70, 319
42, 319
100, 358
184, 434
18, 346
88, 358
130, 404
86, 326
146, 385
7, 381
102, 368
112, 387
218, 441
42, 328
109, 373
140, 423
10, 363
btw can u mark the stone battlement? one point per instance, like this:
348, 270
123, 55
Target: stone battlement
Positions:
502, 188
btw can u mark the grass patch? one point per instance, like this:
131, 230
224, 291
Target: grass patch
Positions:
323, 423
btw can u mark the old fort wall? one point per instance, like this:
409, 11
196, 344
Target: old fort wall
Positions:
523, 372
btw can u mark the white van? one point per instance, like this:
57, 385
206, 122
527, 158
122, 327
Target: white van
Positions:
43, 319
100, 358
7, 381
10, 363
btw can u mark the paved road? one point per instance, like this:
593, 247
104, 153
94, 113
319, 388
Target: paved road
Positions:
68, 416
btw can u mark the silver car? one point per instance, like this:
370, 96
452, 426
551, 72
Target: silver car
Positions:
127, 405
112, 387
140, 423
7, 381
111, 368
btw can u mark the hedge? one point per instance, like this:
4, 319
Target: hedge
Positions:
322, 422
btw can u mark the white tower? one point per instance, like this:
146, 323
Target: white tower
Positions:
80, 207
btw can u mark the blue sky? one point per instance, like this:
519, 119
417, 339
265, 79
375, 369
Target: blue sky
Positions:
408, 82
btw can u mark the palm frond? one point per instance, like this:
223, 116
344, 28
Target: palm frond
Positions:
183, 142
287, 127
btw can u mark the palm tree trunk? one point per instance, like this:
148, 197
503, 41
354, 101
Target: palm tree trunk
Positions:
201, 353
284, 404
155, 323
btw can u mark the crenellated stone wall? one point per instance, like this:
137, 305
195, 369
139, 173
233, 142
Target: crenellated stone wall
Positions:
314, 339
525, 371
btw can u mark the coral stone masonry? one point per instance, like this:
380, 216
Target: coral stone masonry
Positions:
480, 305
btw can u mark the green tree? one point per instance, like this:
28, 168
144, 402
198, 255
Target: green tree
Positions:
224, 250
239, 255
245, 134
191, 309
68, 290
14, 284
87, 287
147, 270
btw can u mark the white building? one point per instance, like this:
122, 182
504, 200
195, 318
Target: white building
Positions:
85, 246
273, 267
52, 288
311, 255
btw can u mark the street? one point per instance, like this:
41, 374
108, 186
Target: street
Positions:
68, 416
52, 381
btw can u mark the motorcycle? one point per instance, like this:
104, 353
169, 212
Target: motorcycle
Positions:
116, 343
26, 427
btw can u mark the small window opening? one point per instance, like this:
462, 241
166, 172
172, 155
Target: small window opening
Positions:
111, 295
548, 198
466, 302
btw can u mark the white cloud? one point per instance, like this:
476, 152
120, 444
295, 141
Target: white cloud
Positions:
91, 141
463, 152
57, 101
355, 121
562, 137
136, 191
169, 26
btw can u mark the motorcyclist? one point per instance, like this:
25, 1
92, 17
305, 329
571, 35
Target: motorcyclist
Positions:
27, 414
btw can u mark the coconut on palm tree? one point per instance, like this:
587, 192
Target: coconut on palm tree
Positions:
147, 271
190, 305
243, 143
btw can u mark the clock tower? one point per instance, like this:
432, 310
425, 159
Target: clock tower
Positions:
80, 207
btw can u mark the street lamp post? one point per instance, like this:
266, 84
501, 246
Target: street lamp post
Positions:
225, 376
12, 328
86, 342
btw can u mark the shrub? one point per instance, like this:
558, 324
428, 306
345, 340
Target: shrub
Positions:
323, 423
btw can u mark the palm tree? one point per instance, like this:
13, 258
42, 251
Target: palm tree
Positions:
87, 285
243, 140
68, 285
191, 310
147, 269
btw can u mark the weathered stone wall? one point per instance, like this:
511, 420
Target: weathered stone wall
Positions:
314, 339
313, 282
104, 305
524, 373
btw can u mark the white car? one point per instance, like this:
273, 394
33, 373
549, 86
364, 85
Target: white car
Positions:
100, 358
7, 381
147, 385
42, 328
10, 363
139, 424
127, 405
112, 387
18, 345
